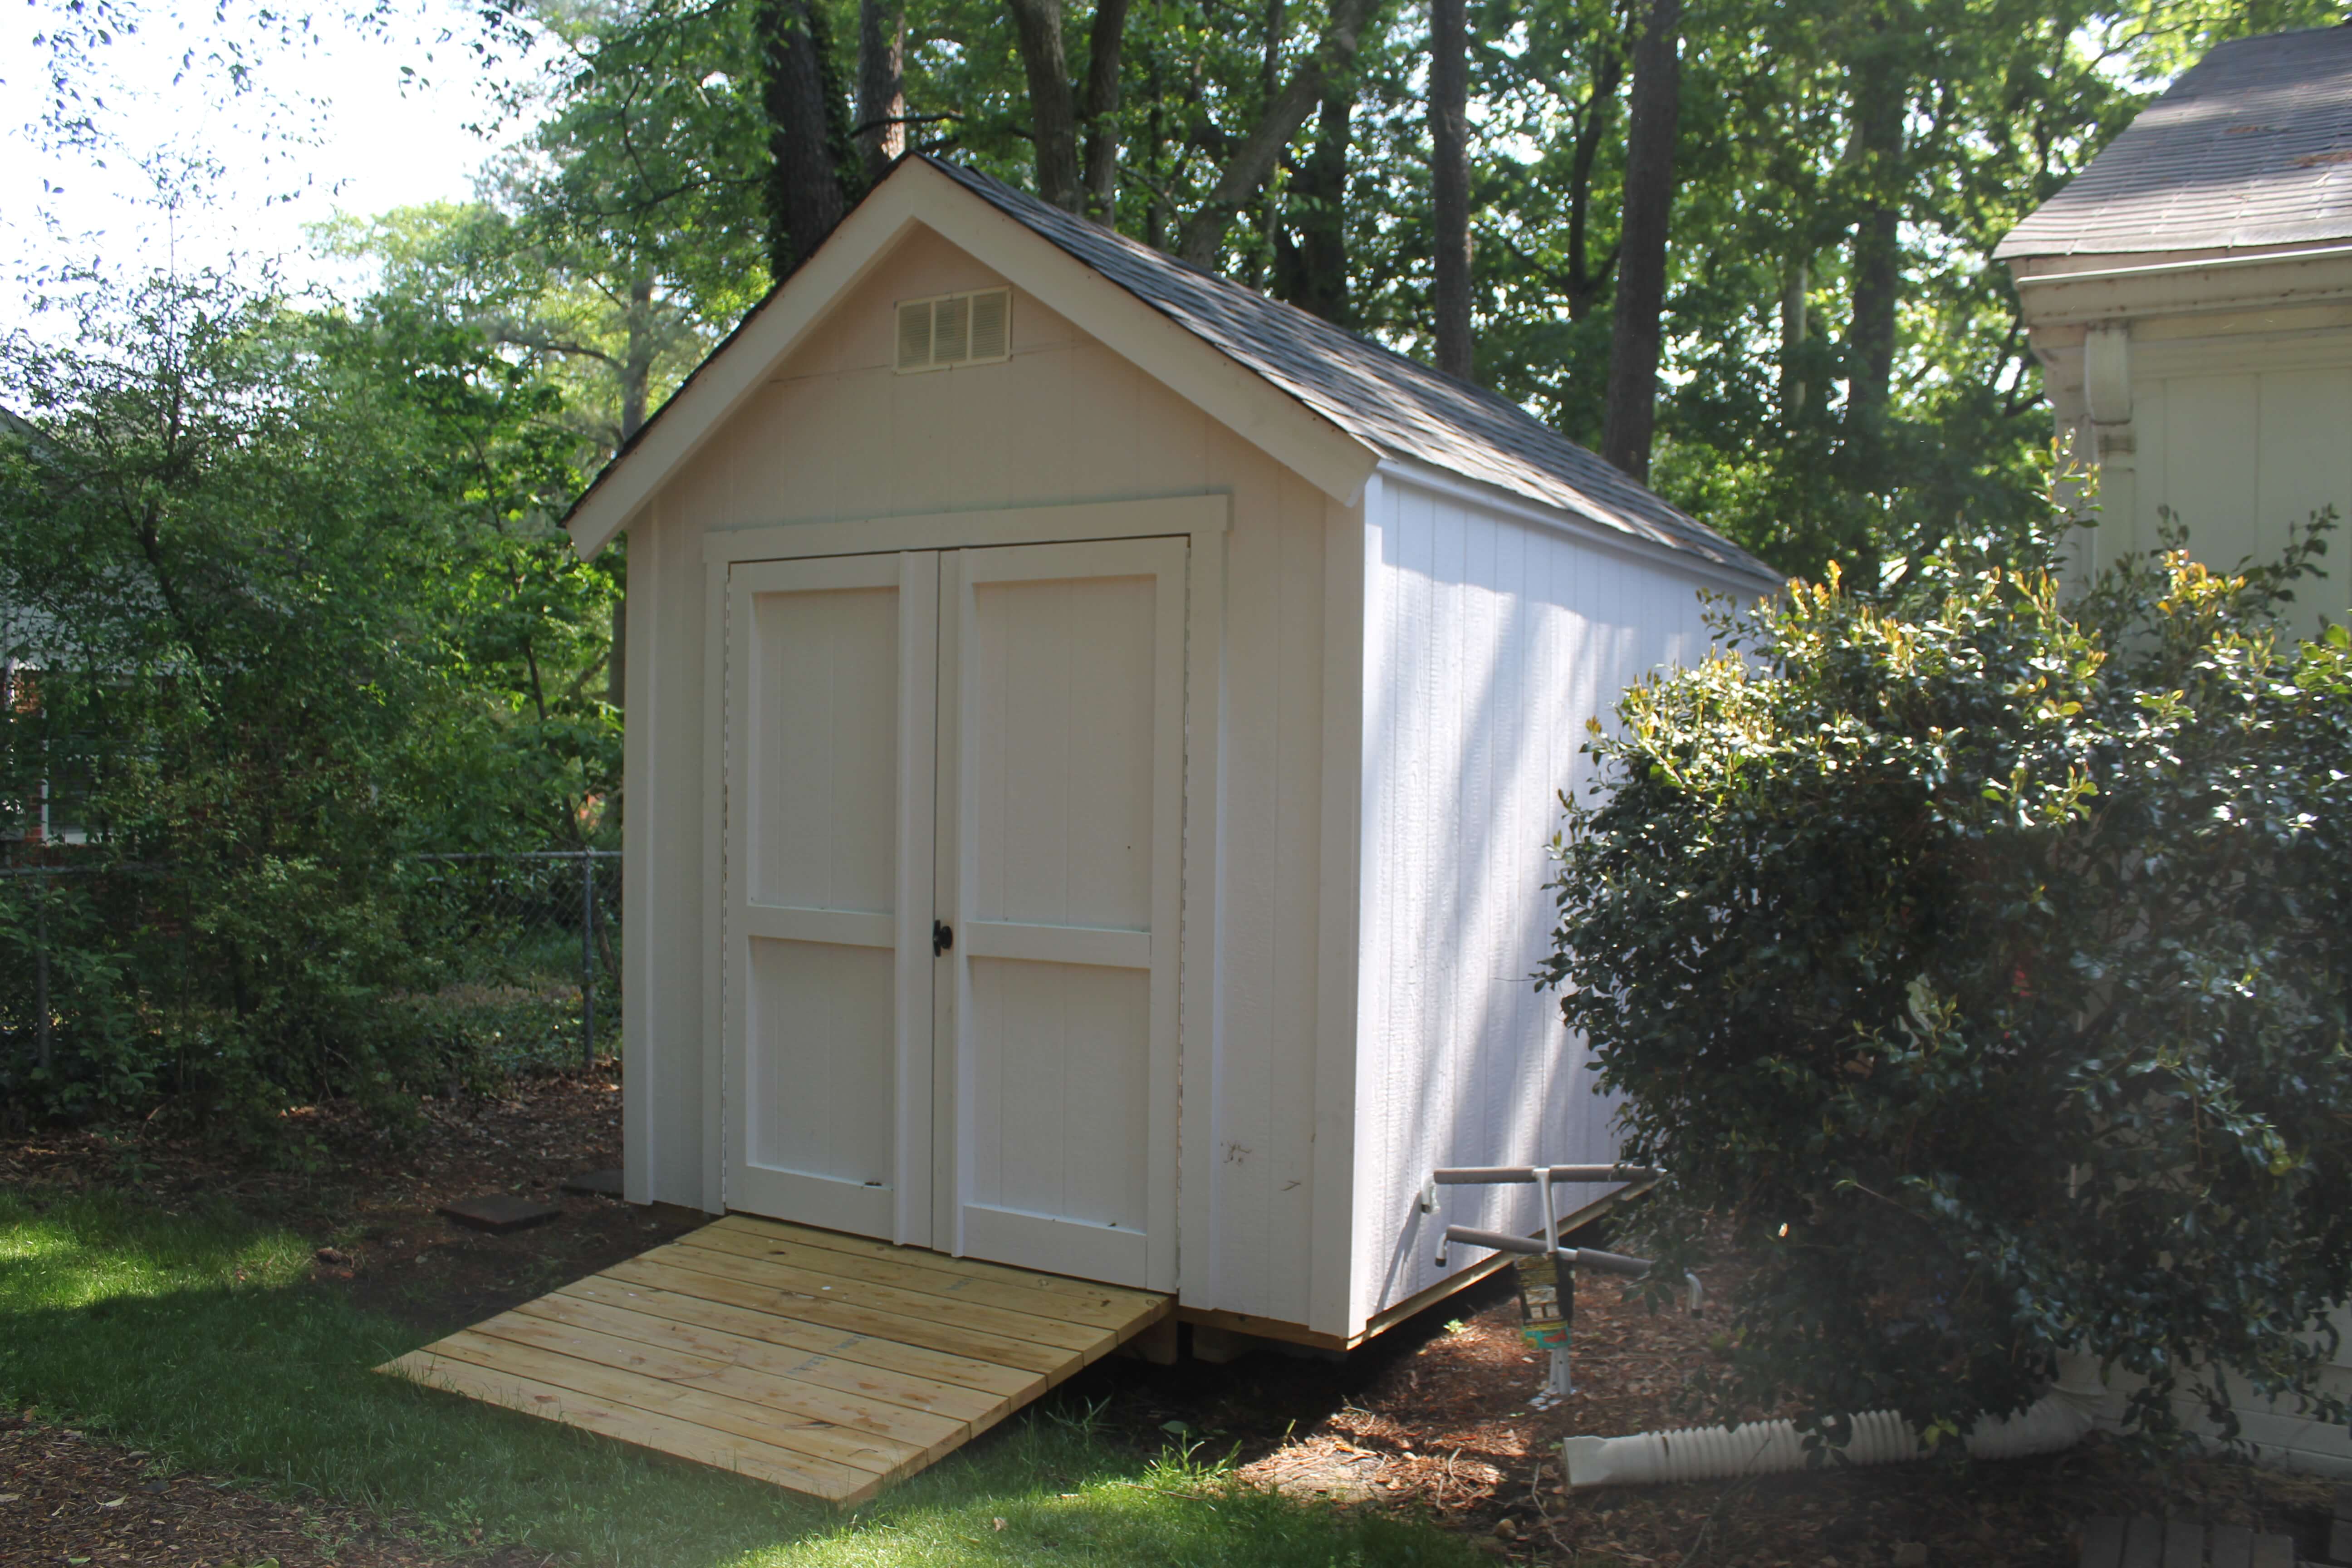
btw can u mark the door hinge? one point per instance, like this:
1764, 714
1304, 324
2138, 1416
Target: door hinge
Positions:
942, 937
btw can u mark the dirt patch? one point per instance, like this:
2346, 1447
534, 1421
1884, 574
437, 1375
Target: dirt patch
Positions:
1437, 1418
68, 1499
368, 1194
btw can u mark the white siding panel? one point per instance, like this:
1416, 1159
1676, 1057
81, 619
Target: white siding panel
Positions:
1489, 643
2306, 456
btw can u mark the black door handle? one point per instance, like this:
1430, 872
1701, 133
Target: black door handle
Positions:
942, 937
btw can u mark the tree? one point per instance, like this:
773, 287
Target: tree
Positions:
1449, 179
1642, 268
1980, 958
813, 174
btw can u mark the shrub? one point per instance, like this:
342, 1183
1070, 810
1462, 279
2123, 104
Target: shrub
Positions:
1980, 955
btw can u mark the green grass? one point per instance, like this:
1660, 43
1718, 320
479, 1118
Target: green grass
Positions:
199, 1339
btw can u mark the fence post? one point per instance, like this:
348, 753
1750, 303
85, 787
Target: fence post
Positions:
587, 959
41, 1047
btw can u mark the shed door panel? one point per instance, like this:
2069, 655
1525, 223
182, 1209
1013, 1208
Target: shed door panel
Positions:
1061, 824
831, 667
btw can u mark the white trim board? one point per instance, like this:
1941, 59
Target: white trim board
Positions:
1197, 515
1437, 482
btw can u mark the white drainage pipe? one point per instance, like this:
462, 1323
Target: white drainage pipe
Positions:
1762, 1447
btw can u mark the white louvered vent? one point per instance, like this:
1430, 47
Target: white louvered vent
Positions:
950, 330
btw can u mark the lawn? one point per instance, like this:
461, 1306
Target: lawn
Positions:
201, 1338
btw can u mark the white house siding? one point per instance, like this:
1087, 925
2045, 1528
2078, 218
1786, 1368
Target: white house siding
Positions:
2277, 1433
1489, 641
2244, 438
837, 436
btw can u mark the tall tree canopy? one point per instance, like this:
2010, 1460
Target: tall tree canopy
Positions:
1798, 270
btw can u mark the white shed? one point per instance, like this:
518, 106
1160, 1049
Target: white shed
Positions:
1094, 733
2189, 296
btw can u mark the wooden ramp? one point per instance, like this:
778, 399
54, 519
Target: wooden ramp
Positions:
827, 1363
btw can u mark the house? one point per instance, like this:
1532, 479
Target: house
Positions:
1093, 735
2189, 295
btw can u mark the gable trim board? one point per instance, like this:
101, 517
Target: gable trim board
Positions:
1380, 691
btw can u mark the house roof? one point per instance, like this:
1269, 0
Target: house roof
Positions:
1396, 406
1371, 399
2251, 147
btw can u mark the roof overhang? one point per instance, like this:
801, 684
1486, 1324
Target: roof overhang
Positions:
2318, 274
915, 194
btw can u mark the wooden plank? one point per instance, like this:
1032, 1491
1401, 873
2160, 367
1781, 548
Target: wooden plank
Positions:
2184, 1543
920, 1429
1047, 1332
2231, 1546
645, 1430
1145, 1302
2143, 1542
852, 1315
695, 1311
829, 1379
1098, 1312
2103, 1541
824, 1440
963, 1405
2273, 1552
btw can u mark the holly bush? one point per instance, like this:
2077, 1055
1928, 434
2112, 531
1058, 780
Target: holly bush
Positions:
1974, 954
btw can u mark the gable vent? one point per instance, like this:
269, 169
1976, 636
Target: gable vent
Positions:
949, 330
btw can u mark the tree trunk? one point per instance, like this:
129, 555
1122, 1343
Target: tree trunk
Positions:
636, 370
1792, 340
808, 131
1312, 271
1101, 107
1449, 178
1246, 166
881, 83
1052, 114
1632, 395
1879, 95
1587, 280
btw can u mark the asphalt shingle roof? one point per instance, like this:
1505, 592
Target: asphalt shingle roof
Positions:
2251, 146
1396, 406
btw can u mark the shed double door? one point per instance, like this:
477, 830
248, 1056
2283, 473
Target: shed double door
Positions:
953, 830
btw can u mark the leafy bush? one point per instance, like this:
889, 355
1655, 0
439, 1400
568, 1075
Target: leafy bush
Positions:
293, 606
1980, 956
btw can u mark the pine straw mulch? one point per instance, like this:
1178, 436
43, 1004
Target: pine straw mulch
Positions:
1444, 1424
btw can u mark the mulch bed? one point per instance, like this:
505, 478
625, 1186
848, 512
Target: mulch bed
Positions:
1433, 1419
1441, 1422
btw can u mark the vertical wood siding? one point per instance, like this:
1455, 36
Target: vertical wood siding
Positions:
1488, 643
838, 435
2241, 455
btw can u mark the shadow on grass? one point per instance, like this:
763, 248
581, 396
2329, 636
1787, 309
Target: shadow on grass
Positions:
201, 1338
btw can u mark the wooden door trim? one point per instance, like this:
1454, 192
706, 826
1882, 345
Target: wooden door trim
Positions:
1193, 515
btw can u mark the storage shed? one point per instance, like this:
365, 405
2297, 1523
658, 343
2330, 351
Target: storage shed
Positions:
1093, 736
2189, 296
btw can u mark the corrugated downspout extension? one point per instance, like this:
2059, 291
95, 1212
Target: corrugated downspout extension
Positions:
1763, 1447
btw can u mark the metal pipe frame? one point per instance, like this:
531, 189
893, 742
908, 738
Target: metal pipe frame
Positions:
1505, 1175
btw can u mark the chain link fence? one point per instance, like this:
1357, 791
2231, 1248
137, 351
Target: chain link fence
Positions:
509, 961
